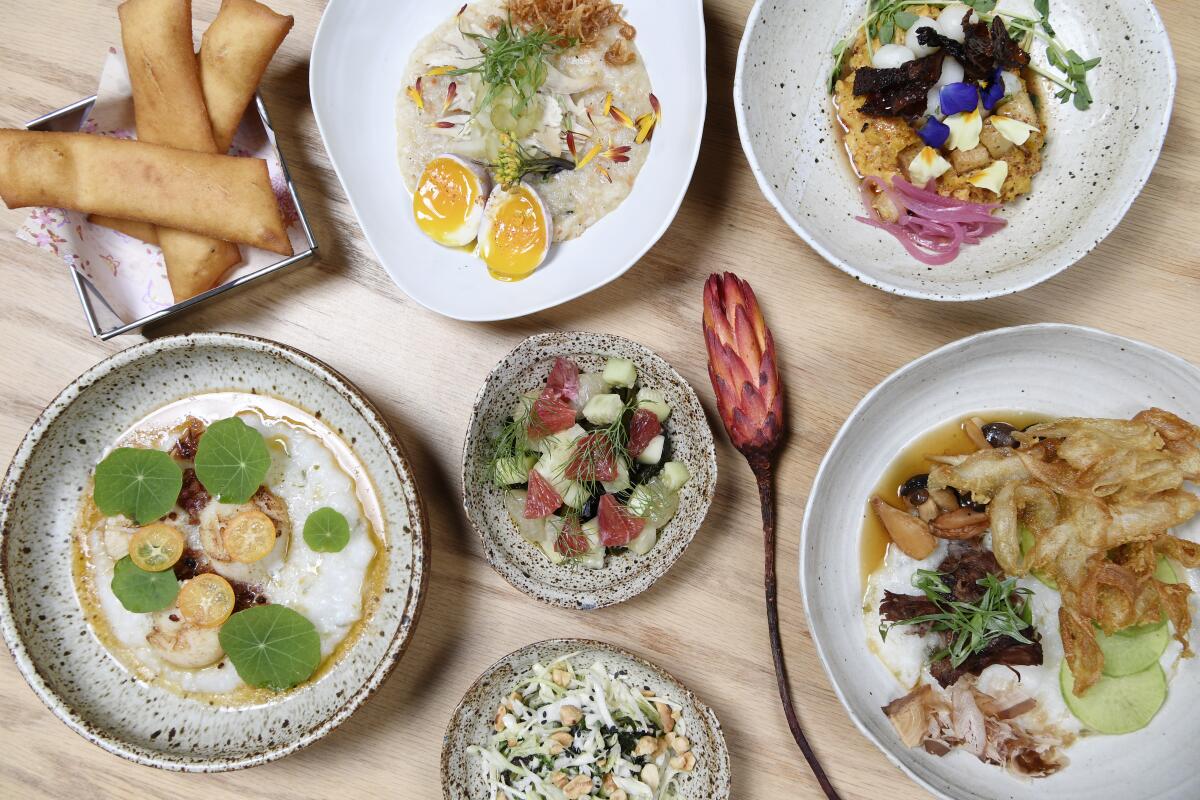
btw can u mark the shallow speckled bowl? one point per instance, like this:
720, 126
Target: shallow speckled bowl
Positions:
471, 723
1052, 370
523, 564
1096, 162
40, 614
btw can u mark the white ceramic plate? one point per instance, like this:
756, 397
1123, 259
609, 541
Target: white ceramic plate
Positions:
1096, 162
1056, 370
358, 60
54, 645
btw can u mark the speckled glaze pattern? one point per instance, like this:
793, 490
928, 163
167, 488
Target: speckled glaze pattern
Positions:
1095, 162
471, 723
1052, 370
40, 614
524, 565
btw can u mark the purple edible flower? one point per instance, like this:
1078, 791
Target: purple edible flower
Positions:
957, 97
934, 132
994, 92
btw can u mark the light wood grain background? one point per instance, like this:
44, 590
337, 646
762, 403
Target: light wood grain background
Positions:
704, 621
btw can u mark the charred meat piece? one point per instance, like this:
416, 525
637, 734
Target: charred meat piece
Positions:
899, 607
964, 567
1004, 650
982, 50
901, 91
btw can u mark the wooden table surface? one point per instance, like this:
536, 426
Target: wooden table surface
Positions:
704, 621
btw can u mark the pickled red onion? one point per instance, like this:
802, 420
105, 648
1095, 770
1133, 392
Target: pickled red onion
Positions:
932, 228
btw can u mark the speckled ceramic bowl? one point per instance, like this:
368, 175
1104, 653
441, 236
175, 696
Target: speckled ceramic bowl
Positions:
471, 723
1052, 370
524, 565
40, 614
1096, 162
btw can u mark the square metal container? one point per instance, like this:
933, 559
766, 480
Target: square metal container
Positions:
100, 318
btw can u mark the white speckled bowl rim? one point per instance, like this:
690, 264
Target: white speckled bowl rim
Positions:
624, 576
471, 722
180, 761
864, 685
1004, 263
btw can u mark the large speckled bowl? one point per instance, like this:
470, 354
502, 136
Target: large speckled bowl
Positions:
523, 564
1052, 370
1095, 164
40, 614
471, 723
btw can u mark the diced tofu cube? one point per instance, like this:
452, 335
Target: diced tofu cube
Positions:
674, 475
970, 160
1020, 106
653, 452
620, 372
603, 409
996, 144
655, 401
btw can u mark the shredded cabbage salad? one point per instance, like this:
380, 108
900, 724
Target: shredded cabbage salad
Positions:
568, 735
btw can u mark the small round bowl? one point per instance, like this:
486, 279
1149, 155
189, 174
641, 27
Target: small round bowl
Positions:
471, 723
1052, 370
1096, 161
40, 614
524, 565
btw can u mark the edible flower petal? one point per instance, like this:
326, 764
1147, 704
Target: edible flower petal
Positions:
934, 132
646, 123
1014, 130
621, 117
588, 156
436, 71
926, 166
414, 94
964, 130
994, 92
958, 97
991, 178
451, 93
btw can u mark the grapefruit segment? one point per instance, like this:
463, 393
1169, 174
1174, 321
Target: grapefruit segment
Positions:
617, 526
571, 542
550, 414
593, 460
564, 379
642, 429
542, 500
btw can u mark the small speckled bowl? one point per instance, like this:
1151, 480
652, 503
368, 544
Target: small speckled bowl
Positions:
523, 564
1095, 161
471, 723
40, 615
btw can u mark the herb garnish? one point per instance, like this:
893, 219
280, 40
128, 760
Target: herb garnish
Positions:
512, 59
139, 483
509, 443
1003, 611
232, 460
884, 17
599, 445
326, 531
271, 646
143, 592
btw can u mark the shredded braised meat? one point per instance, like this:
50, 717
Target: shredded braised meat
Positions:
578, 20
982, 50
901, 91
193, 497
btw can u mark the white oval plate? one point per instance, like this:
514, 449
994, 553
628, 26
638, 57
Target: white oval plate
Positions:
1057, 370
358, 60
1096, 161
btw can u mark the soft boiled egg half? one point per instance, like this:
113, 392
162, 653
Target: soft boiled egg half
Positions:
516, 232
449, 201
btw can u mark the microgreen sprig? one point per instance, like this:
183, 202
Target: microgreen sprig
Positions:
512, 59
971, 627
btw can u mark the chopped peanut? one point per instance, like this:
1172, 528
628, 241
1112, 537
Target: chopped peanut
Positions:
649, 776
561, 677
559, 779
578, 787
500, 712
569, 715
619, 794
608, 784
664, 712
645, 746
681, 745
560, 741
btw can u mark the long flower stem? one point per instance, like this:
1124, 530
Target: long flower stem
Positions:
766, 498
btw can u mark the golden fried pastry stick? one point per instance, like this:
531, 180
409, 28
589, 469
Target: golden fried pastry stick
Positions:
234, 54
221, 197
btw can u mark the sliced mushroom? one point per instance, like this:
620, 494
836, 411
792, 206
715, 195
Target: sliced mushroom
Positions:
962, 523
911, 534
946, 499
973, 428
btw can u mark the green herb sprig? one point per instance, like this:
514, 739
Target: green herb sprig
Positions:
512, 59
611, 440
509, 443
1002, 611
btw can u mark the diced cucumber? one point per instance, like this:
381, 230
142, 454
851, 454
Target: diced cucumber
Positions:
653, 502
592, 559
1117, 705
674, 475
524, 405
590, 385
653, 452
515, 470
639, 500
563, 440
621, 482
1125, 655
552, 554
1027, 543
655, 401
644, 542
603, 409
620, 372
531, 530
575, 495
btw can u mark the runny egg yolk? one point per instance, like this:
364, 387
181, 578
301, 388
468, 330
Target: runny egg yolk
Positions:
448, 202
515, 235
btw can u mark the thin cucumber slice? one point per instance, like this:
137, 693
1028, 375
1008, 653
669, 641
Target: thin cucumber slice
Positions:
1125, 655
1027, 544
1117, 705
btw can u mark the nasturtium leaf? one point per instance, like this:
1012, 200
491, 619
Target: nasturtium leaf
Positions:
231, 460
271, 646
139, 483
143, 592
326, 531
